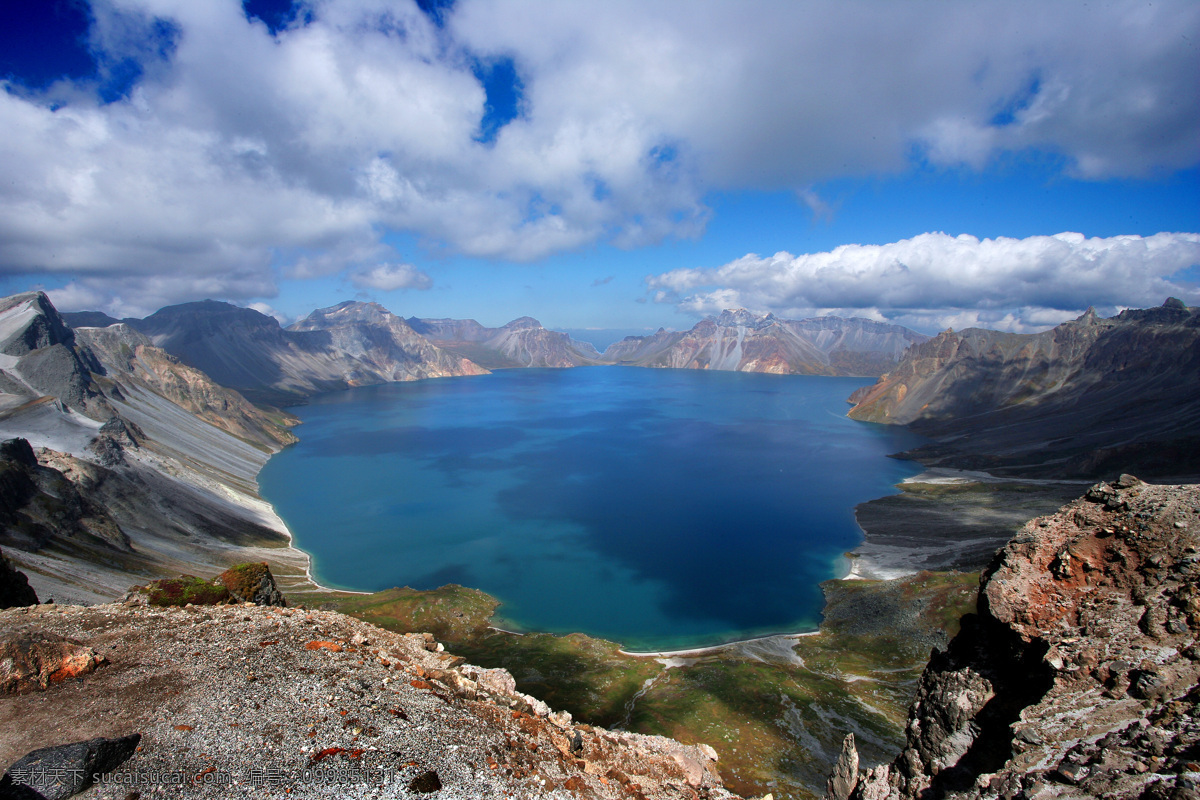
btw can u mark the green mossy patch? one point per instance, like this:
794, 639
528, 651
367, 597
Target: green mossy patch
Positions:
243, 580
186, 589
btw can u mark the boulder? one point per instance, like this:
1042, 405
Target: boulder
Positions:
35, 659
64, 770
252, 583
14, 586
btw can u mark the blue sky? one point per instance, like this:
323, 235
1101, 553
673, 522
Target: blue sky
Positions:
623, 165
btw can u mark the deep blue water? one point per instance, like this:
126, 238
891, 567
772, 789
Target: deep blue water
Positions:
657, 508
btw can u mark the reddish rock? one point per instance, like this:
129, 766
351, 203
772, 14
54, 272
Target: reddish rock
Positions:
36, 659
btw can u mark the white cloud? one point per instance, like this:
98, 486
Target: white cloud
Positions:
241, 155
1011, 284
389, 277
264, 308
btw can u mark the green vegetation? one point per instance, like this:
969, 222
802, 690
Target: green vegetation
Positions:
186, 589
776, 717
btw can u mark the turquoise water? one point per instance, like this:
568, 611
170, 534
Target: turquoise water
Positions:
657, 508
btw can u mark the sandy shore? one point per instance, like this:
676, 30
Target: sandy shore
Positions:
946, 519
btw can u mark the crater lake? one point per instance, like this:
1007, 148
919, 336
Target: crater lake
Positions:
662, 509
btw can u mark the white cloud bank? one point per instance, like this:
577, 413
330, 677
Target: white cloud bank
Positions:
936, 281
389, 277
240, 156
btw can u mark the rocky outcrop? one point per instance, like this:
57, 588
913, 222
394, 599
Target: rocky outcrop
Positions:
243, 699
350, 344
521, 343
1080, 674
740, 341
1090, 397
241, 583
40, 507
14, 586
252, 583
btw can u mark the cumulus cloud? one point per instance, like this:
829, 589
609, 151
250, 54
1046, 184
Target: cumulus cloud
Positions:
1011, 284
264, 308
239, 153
389, 277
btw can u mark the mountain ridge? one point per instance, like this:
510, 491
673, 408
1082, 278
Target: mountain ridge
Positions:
739, 340
1086, 398
524, 342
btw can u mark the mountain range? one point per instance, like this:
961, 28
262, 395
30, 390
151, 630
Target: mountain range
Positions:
742, 341
1089, 397
123, 461
356, 344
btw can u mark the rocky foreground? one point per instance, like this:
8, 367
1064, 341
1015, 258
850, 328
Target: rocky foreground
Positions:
262, 701
1080, 674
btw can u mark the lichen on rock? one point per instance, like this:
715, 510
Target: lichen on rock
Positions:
1080, 675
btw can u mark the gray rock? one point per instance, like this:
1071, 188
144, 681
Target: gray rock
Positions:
65, 770
14, 586
845, 772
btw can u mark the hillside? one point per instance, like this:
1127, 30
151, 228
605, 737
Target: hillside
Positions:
123, 462
1087, 398
740, 341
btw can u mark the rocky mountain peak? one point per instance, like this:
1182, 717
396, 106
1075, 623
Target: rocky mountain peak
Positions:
523, 322
30, 322
735, 317
201, 318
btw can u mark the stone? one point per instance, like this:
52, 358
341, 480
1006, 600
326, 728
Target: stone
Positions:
1145, 684
845, 772
14, 585
425, 783
36, 659
252, 583
64, 770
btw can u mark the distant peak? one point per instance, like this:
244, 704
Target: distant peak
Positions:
1175, 302
731, 317
524, 322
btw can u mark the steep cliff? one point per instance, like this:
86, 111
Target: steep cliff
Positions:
741, 341
1080, 674
521, 343
1089, 397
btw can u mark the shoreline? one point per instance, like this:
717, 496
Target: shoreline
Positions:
945, 519
715, 648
